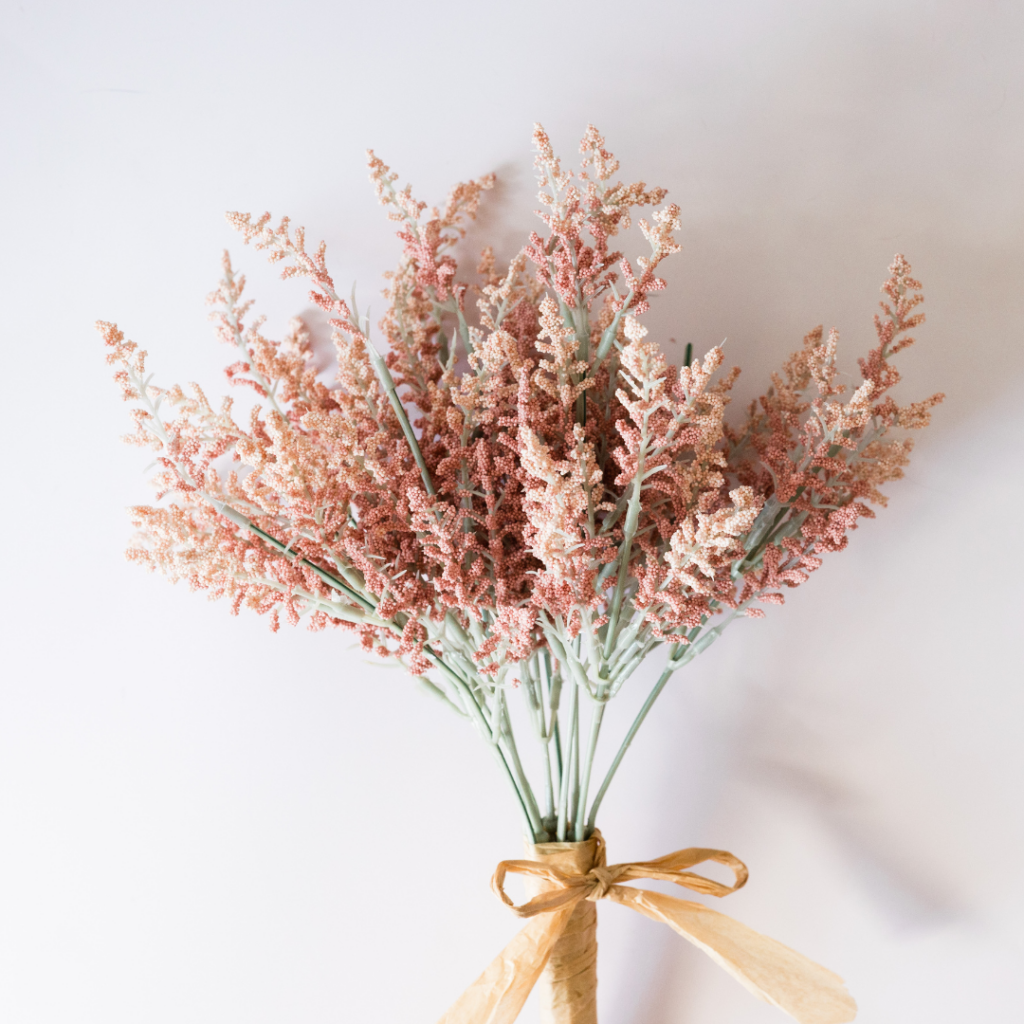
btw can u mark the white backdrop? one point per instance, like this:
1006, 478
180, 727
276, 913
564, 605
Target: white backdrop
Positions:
203, 822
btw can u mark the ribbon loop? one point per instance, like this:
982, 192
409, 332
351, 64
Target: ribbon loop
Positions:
568, 888
670, 869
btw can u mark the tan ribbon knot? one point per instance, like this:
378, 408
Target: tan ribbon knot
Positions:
604, 879
599, 882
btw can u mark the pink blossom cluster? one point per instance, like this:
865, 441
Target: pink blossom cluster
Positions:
523, 489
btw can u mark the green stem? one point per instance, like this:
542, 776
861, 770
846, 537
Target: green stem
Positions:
556, 734
554, 686
563, 801
537, 829
610, 332
438, 694
665, 676
626, 548
545, 738
582, 327
469, 699
388, 384
332, 581
549, 786
575, 810
567, 657
595, 729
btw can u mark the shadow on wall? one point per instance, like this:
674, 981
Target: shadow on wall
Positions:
885, 699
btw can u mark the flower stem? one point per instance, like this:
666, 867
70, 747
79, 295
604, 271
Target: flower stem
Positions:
626, 547
388, 384
575, 801
504, 727
595, 729
563, 801
665, 676
545, 739
554, 681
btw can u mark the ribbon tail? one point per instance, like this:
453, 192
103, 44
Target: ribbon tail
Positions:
775, 973
498, 995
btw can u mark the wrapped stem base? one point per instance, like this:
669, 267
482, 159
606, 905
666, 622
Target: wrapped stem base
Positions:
568, 986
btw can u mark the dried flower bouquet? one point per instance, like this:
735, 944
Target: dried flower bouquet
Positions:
524, 495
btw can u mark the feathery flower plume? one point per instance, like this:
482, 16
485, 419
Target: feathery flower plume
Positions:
522, 493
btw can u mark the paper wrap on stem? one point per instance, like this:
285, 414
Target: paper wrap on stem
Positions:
808, 992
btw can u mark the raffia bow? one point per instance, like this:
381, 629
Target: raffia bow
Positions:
808, 992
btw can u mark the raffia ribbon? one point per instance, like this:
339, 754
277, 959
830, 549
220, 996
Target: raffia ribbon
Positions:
773, 972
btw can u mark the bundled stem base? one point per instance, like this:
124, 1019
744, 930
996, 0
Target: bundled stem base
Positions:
568, 986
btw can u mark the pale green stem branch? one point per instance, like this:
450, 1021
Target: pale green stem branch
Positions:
563, 801
625, 551
663, 679
595, 729
388, 384
532, 810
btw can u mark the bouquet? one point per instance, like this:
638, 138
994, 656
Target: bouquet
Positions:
522, 500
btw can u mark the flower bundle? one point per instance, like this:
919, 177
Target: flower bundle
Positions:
523, 494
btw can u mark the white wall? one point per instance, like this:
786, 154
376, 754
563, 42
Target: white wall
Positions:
200, 821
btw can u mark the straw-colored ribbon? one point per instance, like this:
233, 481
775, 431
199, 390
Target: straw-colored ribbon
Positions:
805, 990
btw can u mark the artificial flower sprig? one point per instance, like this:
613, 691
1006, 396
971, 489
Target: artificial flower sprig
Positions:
522, 494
